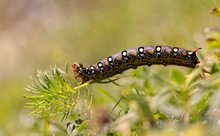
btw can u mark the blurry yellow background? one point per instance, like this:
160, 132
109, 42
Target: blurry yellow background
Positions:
35, 34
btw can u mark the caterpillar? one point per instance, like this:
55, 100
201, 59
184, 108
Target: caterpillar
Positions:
134, 57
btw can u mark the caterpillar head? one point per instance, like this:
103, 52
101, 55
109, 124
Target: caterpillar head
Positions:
78, 71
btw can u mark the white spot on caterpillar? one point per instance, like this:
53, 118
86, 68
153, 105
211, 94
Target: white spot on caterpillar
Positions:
190, 52
124, 53
158, 48
175, 50
92, 68
141, 49
109, 59
100, 64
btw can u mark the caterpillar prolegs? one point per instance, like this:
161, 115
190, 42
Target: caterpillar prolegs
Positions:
134, 57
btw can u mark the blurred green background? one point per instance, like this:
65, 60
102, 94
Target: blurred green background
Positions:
35, 34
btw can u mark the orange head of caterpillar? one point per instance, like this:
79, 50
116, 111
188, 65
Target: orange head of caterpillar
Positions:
77, 68
78, 71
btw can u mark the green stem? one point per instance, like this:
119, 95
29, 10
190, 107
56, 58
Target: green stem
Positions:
81, 86
46, 127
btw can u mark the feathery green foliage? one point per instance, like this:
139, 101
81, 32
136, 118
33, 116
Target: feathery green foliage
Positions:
51, 93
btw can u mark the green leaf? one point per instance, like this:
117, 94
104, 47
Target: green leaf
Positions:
178, 76
215, 68
83, 126
216, 11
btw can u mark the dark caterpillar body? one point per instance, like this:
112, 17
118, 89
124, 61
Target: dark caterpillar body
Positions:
134, 57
